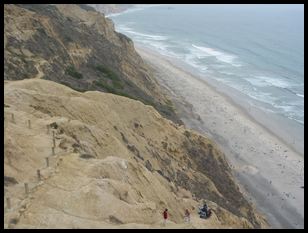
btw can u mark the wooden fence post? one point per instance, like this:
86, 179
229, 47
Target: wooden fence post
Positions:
9, 159
47, 161
13, 118
38, 174
8, 203
26, 188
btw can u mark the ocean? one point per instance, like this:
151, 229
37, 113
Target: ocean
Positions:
257, 50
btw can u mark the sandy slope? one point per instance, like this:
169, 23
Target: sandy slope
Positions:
104, 173
269, 170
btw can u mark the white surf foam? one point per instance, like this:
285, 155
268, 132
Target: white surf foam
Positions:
262, 81
300, 95
221, 56
126, 29
193, 61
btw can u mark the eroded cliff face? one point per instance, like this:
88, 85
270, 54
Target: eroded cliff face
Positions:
78, 48
117, 164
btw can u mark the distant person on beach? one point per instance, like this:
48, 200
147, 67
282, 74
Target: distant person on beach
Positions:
165, 214
187, 216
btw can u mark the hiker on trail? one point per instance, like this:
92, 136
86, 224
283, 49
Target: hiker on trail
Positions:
187, 216
203, 212
205, 209
165, 214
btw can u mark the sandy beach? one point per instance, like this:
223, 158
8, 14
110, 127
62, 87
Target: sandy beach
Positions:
270, 172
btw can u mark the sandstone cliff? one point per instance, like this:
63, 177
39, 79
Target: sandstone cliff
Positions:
77, 47
117, 163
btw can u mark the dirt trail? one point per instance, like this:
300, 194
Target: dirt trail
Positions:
38, 68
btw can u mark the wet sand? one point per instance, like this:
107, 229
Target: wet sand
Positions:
269, 171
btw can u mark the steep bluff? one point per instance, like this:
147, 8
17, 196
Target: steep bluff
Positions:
116, 163
77, 47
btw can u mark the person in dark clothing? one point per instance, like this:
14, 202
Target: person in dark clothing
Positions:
203, 212
205, 209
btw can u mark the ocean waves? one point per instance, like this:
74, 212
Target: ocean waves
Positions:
139, 35
195, 55
263, 81
219, 55
160, 43
274, 90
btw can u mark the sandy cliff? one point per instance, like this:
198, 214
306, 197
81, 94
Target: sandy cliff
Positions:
117, 163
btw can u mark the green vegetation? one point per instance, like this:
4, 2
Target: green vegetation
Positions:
21, 56
126, 95
106, 86
73, 87
107, 72
41, 30
148, 102
117, 85
67, 39
71, 71
112, 89
110, 81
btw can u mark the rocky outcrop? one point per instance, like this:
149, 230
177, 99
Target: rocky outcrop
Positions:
116, 163
78, 47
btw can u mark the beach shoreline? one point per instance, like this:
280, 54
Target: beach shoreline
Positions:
258, 157
291, 134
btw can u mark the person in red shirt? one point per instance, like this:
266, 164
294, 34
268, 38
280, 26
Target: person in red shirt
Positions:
165, 214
